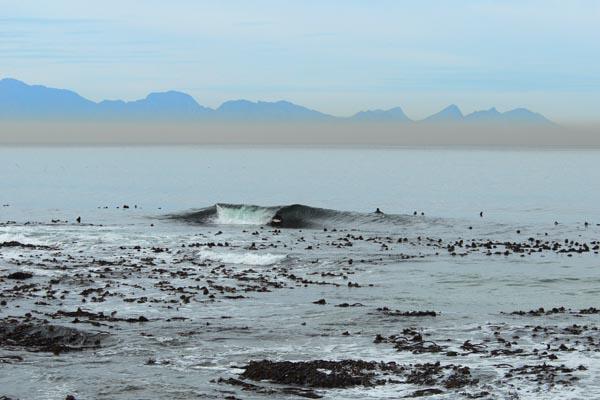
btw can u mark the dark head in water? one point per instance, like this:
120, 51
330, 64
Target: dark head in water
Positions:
276, 220
378, 211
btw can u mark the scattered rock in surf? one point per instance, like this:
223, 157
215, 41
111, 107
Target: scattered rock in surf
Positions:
93, 318
321, 374
14, 243
317, 374
397, 313
21, 276
41, 337
424, 392
345, 305
590, 310
450, 376
410, 340
555, 310
546, 374
10, 360
306, 393
541, 311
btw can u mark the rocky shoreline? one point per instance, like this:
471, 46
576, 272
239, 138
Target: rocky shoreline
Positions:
60, 300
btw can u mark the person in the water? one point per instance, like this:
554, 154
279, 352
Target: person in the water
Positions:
276, 220
378, 211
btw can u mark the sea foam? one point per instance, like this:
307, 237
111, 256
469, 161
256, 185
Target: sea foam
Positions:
243, 215
249, 258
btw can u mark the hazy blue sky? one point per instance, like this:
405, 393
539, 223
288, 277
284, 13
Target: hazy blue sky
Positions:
336, 56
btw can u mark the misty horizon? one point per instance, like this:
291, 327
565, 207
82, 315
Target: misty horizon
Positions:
35, 114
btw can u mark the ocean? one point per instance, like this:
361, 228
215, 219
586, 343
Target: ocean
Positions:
179, 278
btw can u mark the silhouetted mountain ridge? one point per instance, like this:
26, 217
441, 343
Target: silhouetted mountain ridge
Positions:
19, 100
263, 110
395, 114
449, 114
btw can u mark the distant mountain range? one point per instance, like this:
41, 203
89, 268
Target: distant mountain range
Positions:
19, 100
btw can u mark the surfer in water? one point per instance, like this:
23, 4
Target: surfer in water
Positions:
378, 211
277, 220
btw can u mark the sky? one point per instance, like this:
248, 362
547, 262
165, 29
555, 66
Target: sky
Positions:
337, 56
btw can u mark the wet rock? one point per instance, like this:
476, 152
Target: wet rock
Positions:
306, 393
351, 373
556, 310
345, 305
473, 347
411, 340
545, 374
92, 317
425, 392
398, 313
435, 373
14, 243
540, 311
589, 311
41, 337
20, 275
10, 360
318, 374
460, 377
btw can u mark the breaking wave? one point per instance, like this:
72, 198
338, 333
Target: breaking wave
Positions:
290, 216
243, 215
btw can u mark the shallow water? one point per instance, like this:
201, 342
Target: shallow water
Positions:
165, 187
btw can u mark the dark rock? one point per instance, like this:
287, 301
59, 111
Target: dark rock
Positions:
20, 275
340, 374
47, 338
425, 392
14, 243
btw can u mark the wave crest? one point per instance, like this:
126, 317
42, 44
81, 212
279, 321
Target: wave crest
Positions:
243, 215
291, 216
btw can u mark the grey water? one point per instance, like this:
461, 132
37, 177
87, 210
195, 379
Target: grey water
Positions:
543, 194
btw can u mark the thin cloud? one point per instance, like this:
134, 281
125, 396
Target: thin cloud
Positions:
252, 24
49, 21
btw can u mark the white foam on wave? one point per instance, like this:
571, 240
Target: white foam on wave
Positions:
250, 258
243, 215
21, 236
